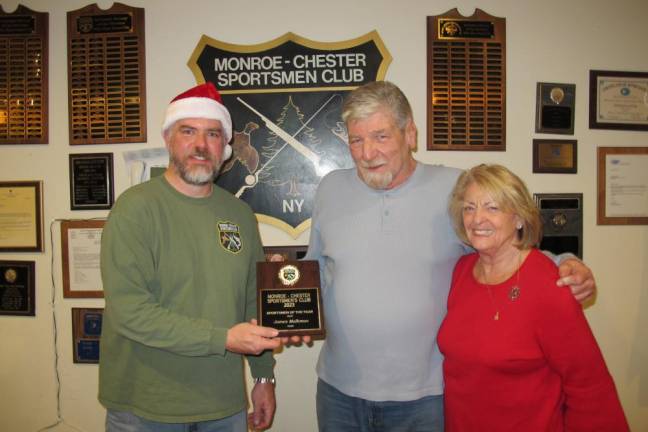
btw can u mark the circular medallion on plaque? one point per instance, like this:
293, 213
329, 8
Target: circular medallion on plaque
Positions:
289, 274
11, 275
557, 95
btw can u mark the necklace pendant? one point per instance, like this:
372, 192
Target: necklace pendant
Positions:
514, 293
496, 317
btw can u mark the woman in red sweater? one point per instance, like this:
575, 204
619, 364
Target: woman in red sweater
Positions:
519, 354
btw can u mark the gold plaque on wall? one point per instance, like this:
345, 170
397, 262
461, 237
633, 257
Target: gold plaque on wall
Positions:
466, 72
23, 76
106, 75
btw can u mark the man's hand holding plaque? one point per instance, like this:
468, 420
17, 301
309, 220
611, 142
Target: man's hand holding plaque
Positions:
289, 299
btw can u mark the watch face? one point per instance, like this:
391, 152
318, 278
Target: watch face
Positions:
285, 97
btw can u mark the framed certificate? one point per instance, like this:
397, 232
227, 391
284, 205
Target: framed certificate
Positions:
622, 186
21, 216
618, 100
81, 244
554, 156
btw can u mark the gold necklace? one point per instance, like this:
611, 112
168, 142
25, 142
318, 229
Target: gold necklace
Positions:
514, 292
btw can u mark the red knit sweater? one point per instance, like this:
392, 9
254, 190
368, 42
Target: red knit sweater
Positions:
537, 368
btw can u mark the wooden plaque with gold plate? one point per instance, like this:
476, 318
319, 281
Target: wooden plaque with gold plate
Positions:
289, 297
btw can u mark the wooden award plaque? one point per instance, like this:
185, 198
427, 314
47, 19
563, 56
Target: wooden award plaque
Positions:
86, 334
106, 75
17, 288
289, 297
466, 72
91, 181
23, 76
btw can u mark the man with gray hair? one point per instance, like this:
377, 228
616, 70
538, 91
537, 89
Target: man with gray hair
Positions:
386, 249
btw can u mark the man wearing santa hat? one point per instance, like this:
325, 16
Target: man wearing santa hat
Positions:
178, 265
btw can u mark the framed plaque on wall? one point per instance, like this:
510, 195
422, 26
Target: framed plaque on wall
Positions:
106, 75
91, 181
17, 292
466, 82
86, 334
555, 156
23, 77
555, 106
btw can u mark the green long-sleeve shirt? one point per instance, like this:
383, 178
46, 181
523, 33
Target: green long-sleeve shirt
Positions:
177, 272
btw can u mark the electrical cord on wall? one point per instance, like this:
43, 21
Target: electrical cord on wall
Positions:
59, 417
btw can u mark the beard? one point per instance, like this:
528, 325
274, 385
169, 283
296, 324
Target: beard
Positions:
373, 179
198, 175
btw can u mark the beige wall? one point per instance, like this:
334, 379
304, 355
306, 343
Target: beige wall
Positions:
551, 41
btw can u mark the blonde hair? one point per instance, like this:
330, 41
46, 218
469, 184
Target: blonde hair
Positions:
510, 193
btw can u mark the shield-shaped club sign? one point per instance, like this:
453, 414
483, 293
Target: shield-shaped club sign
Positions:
285, 97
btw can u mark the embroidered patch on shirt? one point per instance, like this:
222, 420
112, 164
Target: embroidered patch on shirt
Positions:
230, 236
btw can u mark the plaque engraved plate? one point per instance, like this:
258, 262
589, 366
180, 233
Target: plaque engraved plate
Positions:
86, 332
91, 181
23, 77
555, 156
288, 297
106, 75
17, 288
555, 108
466, 72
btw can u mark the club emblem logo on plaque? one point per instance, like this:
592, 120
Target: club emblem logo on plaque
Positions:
289, 275
285, 97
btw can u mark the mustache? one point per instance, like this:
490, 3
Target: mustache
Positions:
202, 153
372, 163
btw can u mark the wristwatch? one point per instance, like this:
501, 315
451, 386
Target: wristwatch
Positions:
264, 380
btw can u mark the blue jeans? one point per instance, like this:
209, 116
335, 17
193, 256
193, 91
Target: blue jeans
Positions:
337, 412
121, 421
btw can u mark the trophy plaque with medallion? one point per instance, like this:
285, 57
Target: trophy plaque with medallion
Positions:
289, 297
555, 108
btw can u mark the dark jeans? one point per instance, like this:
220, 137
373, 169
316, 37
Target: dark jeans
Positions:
121, 421
337, 412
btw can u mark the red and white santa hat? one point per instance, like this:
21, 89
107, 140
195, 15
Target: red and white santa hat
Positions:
202, 101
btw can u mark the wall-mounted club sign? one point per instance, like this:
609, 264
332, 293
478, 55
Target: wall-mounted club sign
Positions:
23, 76
285, 97
106, 75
